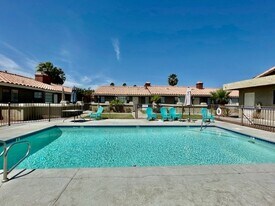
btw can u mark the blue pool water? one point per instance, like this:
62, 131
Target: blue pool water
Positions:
71, 147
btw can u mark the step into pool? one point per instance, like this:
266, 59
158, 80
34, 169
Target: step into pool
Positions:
137, 146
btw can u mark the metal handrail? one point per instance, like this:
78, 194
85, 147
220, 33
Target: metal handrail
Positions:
251, 122
4, 147
205, 125
5, 159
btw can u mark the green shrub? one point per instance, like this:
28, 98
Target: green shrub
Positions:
128, 110
116, 105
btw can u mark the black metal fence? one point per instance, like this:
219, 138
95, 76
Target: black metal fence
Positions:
257, 117
13, 113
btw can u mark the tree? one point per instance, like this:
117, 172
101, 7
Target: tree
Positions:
84, 95
155, 98
220, 96
56, 74
116, 105
124, 84
173, 79
112, 84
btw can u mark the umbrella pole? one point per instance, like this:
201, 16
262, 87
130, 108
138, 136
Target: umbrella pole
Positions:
189, 113
182, 111
74, 114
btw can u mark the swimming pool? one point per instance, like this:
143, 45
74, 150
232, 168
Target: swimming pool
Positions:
74, 147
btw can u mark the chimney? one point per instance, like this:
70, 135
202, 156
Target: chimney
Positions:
42, 77
147, 84
199, 85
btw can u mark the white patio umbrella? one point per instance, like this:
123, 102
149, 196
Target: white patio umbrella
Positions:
187, 100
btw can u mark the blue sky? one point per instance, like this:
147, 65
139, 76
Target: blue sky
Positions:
134, 41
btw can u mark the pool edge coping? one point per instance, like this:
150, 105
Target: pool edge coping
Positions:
17, 138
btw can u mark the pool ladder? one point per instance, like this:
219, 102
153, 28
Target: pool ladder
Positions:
5, 152
205, 125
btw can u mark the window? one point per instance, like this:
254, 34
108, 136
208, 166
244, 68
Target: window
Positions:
122, 99
234, 101
6, 96
37, 95
274, 97
55, 98
249, 99
14, 95
203, 100
48, 97
182, 99
102, 99
162, 100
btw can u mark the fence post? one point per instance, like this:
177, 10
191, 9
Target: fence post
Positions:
49, 110
109, 113
9, 114
136, 111
242, 115
5, 165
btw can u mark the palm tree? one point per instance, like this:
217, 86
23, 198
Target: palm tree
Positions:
56, 74
112, 84
155, 98
172, 79
124, 84
220, 96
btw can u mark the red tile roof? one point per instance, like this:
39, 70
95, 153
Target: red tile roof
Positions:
57, 87
122, 90
167, 90
156, 90
14, 79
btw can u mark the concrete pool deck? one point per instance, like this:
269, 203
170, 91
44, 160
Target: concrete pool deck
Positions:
252, 184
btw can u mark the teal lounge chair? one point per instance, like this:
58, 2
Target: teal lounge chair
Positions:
173, 113
97, 115
206, 116
164, 114
150, 114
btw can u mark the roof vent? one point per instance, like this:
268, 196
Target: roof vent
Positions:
147, 84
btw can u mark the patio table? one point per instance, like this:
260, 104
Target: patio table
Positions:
73, 112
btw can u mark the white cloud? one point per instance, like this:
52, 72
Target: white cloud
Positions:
12, 48
86, 79
72, 83
81, 81
12, 67
64, 55
115, 43
31, 63
8, 63
28, 61
24, 64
